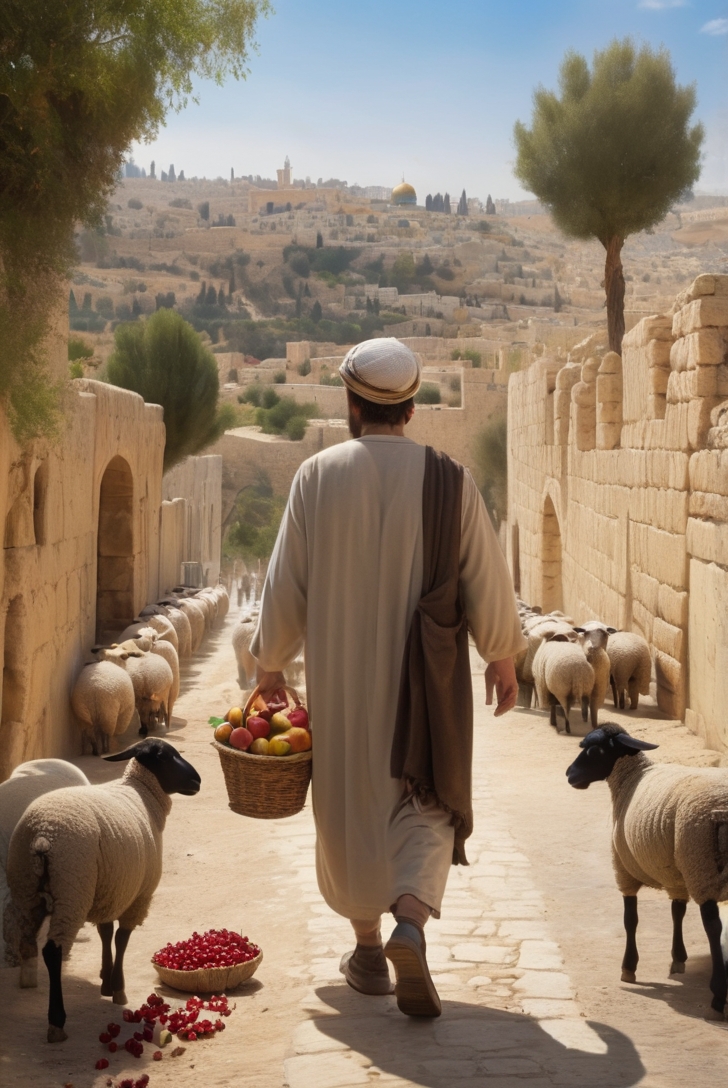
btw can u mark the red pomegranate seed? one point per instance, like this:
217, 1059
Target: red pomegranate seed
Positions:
102, 1063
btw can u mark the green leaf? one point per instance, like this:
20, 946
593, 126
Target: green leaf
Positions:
215, 722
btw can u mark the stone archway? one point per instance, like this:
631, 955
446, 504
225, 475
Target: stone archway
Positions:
115, 550
552, 594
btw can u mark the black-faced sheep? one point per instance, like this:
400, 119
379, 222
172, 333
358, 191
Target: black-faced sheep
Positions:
629, 656
103, 699
562, 676
670, 831
28, 781
92, 854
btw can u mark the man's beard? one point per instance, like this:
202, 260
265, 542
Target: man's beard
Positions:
354, 425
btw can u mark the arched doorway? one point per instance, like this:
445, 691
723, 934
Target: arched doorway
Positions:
115, 550
552, 595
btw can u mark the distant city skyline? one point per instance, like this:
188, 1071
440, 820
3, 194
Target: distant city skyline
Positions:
374, 92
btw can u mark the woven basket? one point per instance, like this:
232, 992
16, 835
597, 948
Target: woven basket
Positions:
265, 787
208, 980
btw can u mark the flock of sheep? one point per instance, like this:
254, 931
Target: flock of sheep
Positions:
80, 853
568, 665
139, 674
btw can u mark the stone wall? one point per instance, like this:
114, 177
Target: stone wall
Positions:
81, 528
193, 531
249, 456
618, 495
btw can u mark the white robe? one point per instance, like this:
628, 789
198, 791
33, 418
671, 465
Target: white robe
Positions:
344, 579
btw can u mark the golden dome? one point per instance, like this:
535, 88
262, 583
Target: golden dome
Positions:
404, 194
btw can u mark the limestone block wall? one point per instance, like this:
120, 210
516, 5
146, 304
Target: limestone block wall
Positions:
619, 511
249, 456
195, 534
81, 540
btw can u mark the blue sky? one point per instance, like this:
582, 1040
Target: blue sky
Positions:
374, 90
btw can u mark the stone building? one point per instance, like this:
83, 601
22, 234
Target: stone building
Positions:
86, 546
618, 494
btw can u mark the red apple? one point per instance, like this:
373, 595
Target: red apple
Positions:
299, 718
258, 727
241, 738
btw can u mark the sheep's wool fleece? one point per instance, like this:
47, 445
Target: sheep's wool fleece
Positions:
666, 828
103, 849
345, 577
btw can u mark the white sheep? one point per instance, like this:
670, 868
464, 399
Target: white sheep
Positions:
152, 679
631, 664
562, 676
180, 622
92, 854
670, 831
223, 601
242, 637
157, 620
166, 650
594, 640
103, 699
28, 781
546, 627
196, 615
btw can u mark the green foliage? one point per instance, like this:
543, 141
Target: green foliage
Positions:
491, 456
75, 370
254, 523
164, 360
278, 417
331, 379
135, 204
428, 393
304, 368
279, 377
613, 153
79, 82
475, 357
78, 349
252, 395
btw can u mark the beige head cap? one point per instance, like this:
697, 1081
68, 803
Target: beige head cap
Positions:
383, 370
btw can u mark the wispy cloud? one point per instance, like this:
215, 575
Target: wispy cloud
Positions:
662, 5
715, 27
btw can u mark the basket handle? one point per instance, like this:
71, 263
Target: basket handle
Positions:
256, 692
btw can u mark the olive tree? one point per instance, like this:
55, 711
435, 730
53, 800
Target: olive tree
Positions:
79, 82
612, 153
164, 360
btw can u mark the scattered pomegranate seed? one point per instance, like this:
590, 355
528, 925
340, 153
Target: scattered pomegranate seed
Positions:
102, 1063
113, 1047
157, 1056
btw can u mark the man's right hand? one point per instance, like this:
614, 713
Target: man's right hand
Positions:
501, 675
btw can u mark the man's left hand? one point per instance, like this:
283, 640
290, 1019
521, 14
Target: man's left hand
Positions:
270, 683
501, 675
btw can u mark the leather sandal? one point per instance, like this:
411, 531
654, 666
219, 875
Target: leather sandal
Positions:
366, 970
415, 991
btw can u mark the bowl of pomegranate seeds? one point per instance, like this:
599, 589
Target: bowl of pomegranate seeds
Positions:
208, 962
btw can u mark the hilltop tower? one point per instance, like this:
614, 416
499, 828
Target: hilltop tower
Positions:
284, 175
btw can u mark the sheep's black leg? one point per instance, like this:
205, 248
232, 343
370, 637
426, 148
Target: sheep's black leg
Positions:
552, 716
117, 975
714, 928
634, 694
524, 695
614, 691
585, 710
567, 715
106, 933
621, 700
679, 954
631, 955
53, 956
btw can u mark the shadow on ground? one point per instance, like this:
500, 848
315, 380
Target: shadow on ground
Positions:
469, 1045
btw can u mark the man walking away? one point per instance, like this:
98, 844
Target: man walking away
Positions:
366, 586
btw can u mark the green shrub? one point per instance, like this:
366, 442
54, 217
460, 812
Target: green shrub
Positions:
331, 379
279, 377
75, 369
78, 349
428, 393
491, 455
276, 417
304, 368
296, 428
269, 398
134, 203
474, 357
252, 395
253, 526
